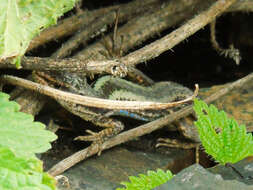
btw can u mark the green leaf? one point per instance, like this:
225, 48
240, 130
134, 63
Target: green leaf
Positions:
19, 132
22, 173
221, 136
147, 182
21, 20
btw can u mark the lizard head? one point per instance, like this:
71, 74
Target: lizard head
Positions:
171, 91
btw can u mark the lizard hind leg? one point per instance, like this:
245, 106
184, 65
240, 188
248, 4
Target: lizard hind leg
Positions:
175, 143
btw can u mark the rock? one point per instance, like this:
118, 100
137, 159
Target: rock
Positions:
197, 178
245, 167
117, 164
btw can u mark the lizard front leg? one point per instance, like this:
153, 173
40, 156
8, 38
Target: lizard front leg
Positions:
112, 126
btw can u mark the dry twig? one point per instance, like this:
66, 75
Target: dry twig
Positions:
231, 52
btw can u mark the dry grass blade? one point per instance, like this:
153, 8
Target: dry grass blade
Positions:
91, 101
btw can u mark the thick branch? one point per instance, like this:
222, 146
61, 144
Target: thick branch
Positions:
243, 6
68, 64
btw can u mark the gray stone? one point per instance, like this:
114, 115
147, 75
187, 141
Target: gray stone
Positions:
245, 167
105, 172
197, 178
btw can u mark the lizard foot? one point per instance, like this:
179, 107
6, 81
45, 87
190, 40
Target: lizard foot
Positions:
96, 138
102, 136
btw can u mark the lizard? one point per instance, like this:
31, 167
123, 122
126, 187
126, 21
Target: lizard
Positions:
113, 88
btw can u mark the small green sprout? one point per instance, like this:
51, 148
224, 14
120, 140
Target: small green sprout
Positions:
148, 182
221, 136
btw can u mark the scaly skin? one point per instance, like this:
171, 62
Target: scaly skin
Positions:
119, 89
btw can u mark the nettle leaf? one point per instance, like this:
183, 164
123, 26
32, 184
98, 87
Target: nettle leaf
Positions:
151, 180
221, 136
22, 173
21, 20
19, 132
